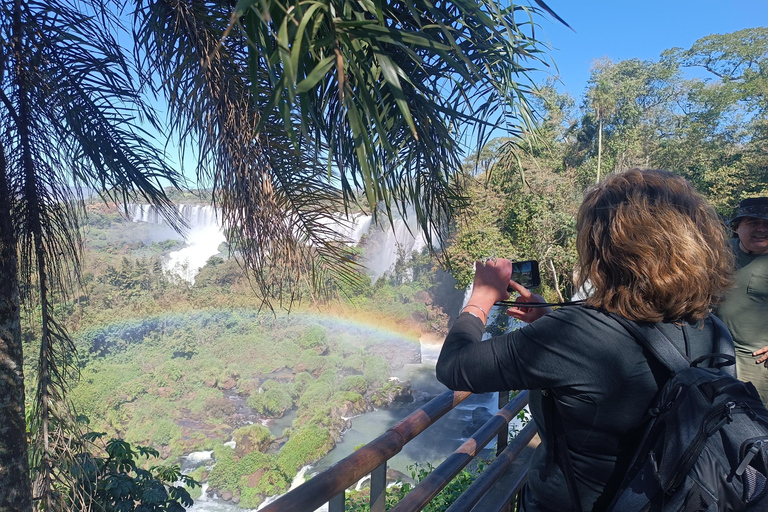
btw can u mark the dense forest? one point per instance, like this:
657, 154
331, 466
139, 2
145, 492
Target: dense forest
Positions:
701, 112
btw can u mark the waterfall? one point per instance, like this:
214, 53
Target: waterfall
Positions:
380, 252
202, 239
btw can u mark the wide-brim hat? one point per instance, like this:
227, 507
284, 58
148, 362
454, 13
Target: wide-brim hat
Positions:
756, 207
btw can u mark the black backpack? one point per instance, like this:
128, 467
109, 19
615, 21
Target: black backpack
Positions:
705, 448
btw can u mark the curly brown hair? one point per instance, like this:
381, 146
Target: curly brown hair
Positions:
652, 248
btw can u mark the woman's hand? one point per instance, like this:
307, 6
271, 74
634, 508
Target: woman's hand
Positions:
528, 315
492, 279
489, 286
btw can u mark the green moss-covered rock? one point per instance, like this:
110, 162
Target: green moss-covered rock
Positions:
307, 444
251, 438
355, 383
273, 402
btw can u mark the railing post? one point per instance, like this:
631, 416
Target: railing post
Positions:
379, 488
336, 504
503, 438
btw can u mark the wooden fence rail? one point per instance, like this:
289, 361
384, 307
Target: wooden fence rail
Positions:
330, 485
428, 488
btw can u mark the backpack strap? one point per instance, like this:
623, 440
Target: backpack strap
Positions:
725, 346
651, 338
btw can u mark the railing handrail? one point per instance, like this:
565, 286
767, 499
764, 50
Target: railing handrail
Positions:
428, 488
320, 489
492, 473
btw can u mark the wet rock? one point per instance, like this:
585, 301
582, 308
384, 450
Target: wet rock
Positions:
394, 476
423, 296
393, 391
255, 477
228, 384
165, 451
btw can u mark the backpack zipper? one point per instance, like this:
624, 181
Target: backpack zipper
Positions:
680, 472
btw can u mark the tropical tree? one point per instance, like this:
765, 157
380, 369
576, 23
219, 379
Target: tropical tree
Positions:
68, 126
602, 100
295, 111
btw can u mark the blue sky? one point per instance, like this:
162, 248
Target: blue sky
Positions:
624, 29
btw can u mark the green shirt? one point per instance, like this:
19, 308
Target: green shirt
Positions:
745, 312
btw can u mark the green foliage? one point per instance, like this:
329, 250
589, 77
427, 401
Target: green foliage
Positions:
315, 337
115, 482
164, 431
252, 438
273, 402
316, 396
376, 371
354, 383
307, 444
360, 501
251, 477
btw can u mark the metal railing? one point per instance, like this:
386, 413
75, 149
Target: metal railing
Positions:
330, 485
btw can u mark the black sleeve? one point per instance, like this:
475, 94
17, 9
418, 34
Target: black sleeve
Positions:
572, 347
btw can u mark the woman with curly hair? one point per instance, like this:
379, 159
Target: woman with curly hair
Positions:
653, 251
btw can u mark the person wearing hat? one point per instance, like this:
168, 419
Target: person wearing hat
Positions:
745, 309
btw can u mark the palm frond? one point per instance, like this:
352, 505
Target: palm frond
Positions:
411, 81
276, 203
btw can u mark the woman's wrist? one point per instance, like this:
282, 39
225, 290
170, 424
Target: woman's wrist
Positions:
477, 309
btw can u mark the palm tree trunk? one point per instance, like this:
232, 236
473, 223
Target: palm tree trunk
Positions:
34, 227
15, 486
43, 485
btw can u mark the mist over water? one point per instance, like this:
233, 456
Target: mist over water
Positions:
205, 235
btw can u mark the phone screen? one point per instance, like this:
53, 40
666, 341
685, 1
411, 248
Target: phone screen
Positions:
526, 273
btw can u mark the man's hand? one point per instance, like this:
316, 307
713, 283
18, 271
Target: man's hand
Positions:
763, 352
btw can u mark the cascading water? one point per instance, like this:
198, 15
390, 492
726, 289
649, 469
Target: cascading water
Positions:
204, 236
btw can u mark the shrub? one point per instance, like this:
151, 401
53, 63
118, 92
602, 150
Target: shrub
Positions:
314, 337
300, 384
376, 371
273, 402
251, 438
164, 431
315, 396
313, 362
354, 383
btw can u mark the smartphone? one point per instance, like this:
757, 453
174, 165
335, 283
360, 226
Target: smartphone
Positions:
526, 273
